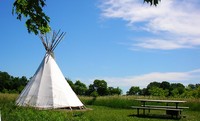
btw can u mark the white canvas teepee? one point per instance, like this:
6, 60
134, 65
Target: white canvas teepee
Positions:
48, 87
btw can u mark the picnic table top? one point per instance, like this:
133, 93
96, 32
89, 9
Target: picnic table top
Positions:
164, 101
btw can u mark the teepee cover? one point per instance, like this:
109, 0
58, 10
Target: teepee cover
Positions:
48, 87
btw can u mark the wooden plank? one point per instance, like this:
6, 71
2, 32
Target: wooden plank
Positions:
169, 111
138, 107
159, 106
155, 108
164, 101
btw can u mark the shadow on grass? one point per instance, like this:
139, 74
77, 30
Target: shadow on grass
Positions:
156, 116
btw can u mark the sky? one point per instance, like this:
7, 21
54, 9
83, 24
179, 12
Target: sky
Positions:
124, 42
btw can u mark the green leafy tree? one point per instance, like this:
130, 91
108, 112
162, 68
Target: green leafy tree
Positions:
176, 89
94, 94
80, 88
144, 92
101, 87
19, 83
90, 90
191, 87
114, 91
156, 91
165, 85
198, 92
197, 85
175, 93
4, 80
152, 85
134, 91
192, 93
32, 10
10, 84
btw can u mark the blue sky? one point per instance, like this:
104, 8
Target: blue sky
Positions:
125, 42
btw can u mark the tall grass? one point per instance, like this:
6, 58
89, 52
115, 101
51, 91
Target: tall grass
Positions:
110, 101
128, 101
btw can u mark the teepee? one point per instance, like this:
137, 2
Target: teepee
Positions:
48, 88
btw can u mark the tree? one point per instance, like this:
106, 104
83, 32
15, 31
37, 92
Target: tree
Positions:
165, 85
37, 21
98, 86
101, 87
114, 91
94, 94
152, 2
144, 92
4, 80
90, 90
176, 89
197, 85
10, 84
152, 85
191, 86
156, 91
133, 91
80, 88
198, 92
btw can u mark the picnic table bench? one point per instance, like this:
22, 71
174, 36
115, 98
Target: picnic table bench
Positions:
170, 110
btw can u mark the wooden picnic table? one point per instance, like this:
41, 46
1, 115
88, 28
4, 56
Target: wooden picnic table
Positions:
170, 110
161, 101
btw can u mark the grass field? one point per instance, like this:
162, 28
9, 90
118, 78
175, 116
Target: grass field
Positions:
112, 108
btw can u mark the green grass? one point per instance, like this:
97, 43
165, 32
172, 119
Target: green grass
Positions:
101, 113
127, 101
112, 108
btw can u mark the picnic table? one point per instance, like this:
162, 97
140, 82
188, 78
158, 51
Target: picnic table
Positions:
172, 110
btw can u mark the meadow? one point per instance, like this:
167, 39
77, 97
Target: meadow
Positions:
108, 108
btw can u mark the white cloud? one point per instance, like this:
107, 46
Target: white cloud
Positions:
178, 21
162, 44
191, 77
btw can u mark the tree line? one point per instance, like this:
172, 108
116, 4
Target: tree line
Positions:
10, 84
166, 89
98, 88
